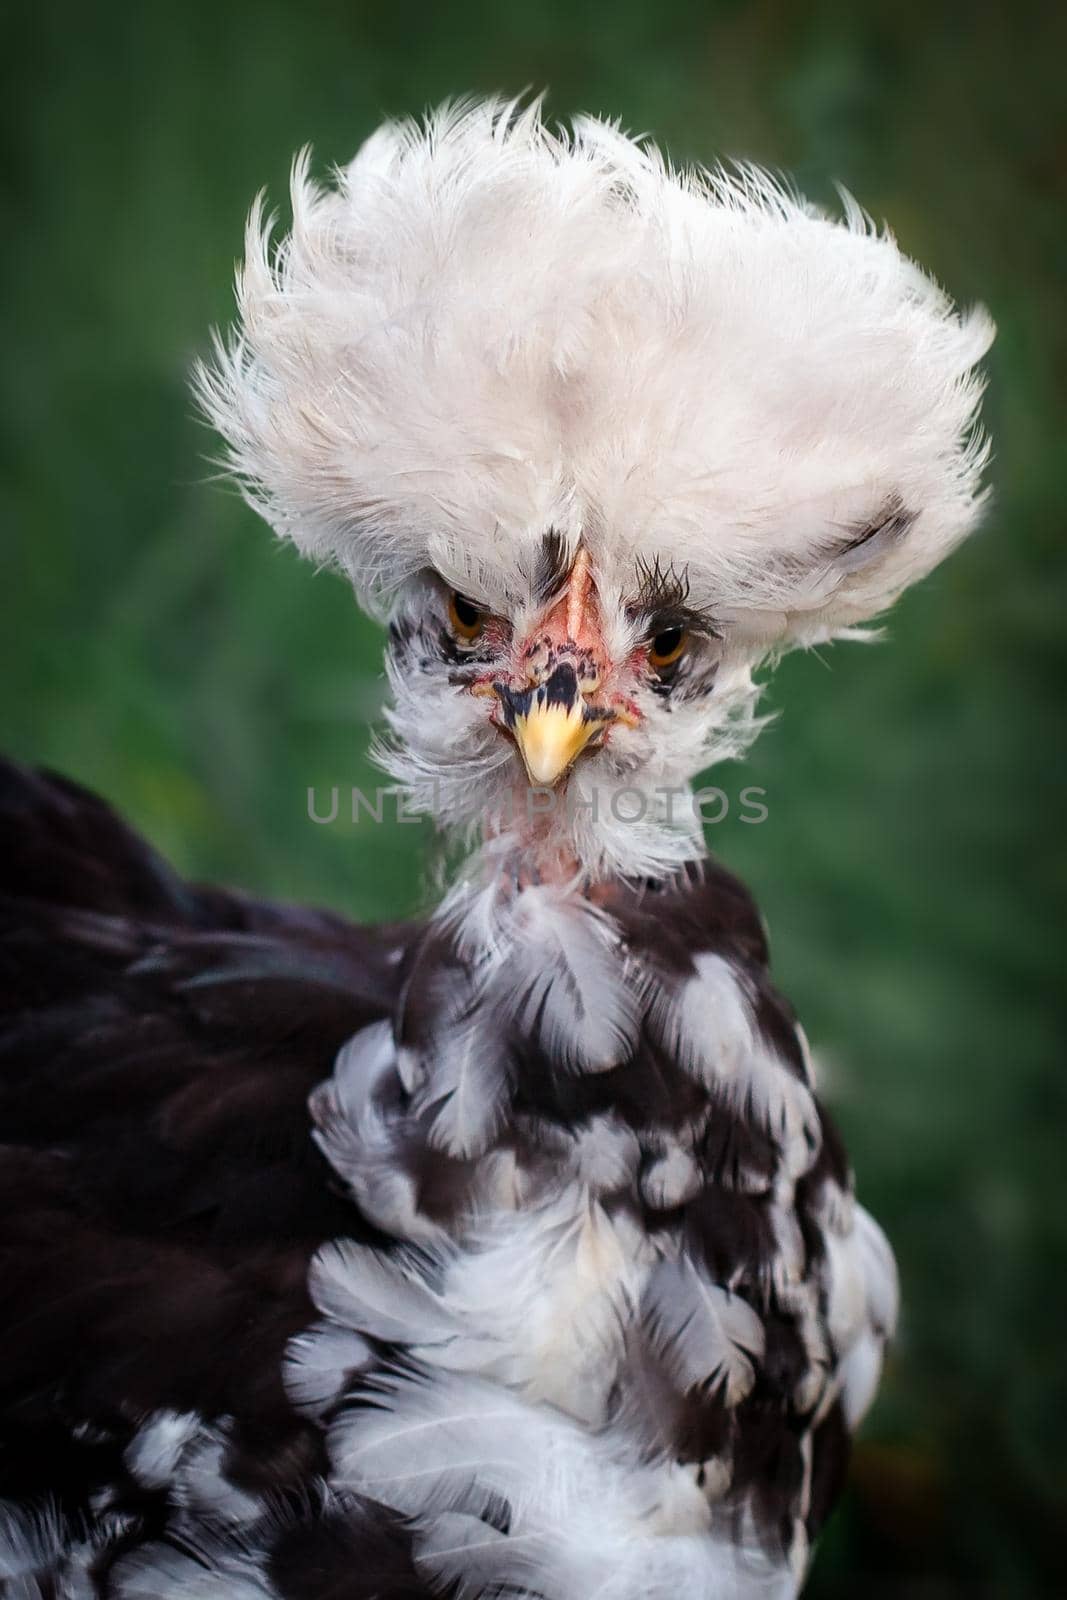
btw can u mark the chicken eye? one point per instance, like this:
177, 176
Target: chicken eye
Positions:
667, 648
467, 621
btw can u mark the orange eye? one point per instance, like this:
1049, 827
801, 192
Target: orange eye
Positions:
667, 648
467, 621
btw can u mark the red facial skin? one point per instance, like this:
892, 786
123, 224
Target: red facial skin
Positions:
571, 629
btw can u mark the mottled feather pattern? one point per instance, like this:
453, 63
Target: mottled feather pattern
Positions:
465, 1092
645, 1282
581, 1520
708, 1337
704, 1274
575, 997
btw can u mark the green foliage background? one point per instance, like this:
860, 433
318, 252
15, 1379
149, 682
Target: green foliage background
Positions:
157, 646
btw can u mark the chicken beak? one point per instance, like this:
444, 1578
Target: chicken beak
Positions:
562, 662
551, 737
551, 723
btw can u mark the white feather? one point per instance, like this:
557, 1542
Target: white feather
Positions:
879, 1273
569, 978
467, 1079
186, 1455
550, 1290
707, 1335
859, 1375
553, 962
709, 1029
359, 1138
157, 1572
383, 1296
464, 1553
319, 1363
862, 1301
603, 1155
430, 1444
202, 1486
538, 1299
154, 1452
44, 1555
671, 1179
583, 1525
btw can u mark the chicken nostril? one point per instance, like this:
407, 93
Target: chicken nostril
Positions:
561, 689
565, 665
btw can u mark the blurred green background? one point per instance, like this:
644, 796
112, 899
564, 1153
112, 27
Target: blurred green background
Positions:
159, 647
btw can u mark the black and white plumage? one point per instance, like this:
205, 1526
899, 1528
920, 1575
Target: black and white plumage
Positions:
511, 1253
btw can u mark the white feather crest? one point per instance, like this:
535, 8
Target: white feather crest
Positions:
690, 362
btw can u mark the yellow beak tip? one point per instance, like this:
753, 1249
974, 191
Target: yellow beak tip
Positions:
544, 772
550, 738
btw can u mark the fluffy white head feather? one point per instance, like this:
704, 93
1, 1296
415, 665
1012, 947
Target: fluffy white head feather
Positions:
487, 331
